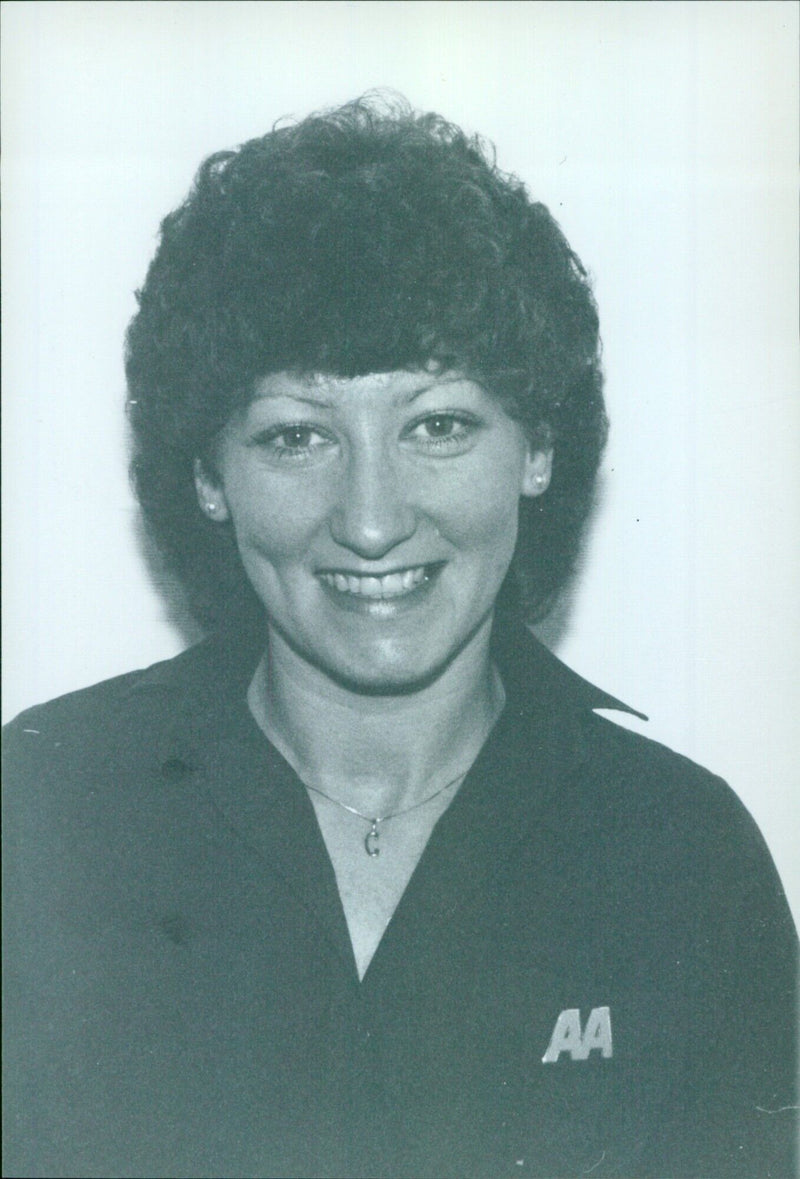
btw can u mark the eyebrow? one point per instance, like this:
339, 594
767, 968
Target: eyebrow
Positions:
430, 385
318, 403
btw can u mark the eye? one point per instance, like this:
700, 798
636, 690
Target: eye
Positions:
297, 442
445, 431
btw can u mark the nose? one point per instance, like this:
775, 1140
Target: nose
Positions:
374, 510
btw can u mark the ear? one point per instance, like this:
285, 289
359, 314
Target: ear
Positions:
210, 495
537, 472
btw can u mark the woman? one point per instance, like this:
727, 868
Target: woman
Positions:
362, 885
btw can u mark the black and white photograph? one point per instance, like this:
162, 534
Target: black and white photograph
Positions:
402, 563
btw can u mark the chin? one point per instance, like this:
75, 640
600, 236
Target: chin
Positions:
389, 668
398, 673
386, 682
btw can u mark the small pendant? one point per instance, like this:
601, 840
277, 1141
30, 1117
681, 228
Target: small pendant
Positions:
371, 841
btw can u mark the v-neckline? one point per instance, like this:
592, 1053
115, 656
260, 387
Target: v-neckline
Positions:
371, 887
263, 797
522, 761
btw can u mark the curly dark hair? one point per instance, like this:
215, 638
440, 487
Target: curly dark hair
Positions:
369, 238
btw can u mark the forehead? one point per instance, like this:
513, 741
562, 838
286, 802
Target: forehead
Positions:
329, 391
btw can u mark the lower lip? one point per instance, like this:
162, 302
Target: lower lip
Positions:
383, 607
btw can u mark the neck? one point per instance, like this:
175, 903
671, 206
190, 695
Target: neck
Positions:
377, 753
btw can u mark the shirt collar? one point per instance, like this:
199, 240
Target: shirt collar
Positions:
517, 783
204, 689
533, 674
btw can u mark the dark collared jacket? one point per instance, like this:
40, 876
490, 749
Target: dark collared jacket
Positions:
592, 970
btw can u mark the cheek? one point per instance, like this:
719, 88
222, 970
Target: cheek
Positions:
485, 513
274, 522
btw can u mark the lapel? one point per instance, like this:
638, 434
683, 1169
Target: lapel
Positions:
518, 789
515, 784
211, 741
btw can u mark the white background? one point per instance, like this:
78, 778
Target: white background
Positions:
663, 137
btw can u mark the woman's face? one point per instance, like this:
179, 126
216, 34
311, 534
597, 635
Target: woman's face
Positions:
376, 517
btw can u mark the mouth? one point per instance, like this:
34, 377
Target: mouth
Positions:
396, 584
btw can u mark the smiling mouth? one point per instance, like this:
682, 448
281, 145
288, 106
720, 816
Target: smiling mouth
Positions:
391, 585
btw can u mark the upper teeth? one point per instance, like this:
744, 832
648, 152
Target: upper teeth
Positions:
387, 586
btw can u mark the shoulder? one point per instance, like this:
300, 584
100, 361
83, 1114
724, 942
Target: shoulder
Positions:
125, 712
654, 802
99, 769
681, 826
639, 762
648, 776
88, 704
626, 763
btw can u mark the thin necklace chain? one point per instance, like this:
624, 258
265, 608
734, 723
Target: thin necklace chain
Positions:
372, 838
